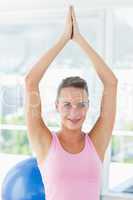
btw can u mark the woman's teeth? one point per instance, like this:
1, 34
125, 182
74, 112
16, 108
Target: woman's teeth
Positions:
74, 121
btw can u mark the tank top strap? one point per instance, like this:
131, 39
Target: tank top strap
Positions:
89, 142
54, 140
86, 141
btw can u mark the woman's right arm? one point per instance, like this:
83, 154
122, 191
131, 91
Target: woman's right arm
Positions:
38, 133
34, 76
36, 73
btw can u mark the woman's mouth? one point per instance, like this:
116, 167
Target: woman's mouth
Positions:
74, 120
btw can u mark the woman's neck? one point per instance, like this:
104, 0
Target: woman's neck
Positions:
72, 136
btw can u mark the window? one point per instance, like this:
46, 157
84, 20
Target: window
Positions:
120, 169
22, 43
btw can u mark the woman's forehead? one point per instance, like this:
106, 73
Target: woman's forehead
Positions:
68, 94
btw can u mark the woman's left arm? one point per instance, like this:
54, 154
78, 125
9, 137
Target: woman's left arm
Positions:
102, 131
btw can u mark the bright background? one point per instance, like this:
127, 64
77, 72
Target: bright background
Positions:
29, 29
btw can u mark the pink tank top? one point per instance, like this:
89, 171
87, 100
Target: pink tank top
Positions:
68, 176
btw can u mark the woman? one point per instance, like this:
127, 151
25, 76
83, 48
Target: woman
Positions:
70, 160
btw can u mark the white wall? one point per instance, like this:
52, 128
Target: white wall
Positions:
14, 5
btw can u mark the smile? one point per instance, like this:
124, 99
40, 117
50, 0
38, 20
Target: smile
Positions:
74, 121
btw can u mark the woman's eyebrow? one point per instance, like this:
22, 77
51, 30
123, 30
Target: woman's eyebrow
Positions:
77, 102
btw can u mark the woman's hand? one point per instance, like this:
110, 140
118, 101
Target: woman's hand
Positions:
67, 35
76, 33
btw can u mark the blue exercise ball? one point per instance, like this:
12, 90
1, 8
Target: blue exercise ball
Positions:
23, 182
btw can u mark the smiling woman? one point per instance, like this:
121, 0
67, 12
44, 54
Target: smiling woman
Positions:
72, 101
78, 174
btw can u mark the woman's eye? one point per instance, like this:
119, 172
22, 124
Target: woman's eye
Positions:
67, 105
83, 104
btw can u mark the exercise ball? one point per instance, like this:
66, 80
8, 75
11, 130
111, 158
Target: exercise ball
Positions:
23, 182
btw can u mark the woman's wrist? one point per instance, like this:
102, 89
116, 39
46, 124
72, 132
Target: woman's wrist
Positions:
64, 38
78, 38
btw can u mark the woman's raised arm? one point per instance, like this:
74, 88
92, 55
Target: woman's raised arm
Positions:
34, 76
39, 134
102, 131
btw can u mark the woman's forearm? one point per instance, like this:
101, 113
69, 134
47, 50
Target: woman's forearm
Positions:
36, 73
105, 74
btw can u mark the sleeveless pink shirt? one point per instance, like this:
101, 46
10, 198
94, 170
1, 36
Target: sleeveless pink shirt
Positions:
68, 176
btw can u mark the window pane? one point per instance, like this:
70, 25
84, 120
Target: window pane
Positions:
25, 43
124, 117
22, 44
14, 142
122, 149
120, 168
121, 165
122, 37
11, 100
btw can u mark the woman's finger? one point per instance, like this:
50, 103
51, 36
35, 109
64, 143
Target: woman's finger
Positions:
70, 13
73, 14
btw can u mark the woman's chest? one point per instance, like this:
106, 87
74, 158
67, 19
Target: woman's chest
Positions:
63, 166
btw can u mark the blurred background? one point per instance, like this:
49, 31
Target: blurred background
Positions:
27, 31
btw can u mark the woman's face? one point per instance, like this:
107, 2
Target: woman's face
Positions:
72, 105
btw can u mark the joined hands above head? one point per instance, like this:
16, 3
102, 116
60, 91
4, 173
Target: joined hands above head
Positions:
101, 132
71, 31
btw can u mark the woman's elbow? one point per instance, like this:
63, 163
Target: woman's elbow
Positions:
29, 82
111, 83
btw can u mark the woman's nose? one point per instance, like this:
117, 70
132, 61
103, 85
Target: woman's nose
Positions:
74, 112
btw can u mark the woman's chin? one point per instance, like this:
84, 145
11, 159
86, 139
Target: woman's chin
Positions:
73, 125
